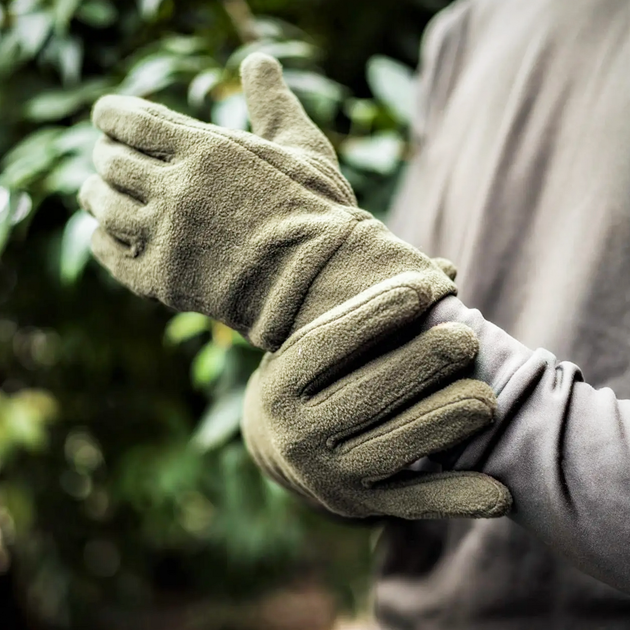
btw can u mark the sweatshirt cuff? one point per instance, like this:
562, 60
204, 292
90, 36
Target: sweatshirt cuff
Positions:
499, 359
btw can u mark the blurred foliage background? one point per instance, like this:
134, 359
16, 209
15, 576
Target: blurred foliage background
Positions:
127, 499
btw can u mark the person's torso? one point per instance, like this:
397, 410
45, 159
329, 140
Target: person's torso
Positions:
523, 180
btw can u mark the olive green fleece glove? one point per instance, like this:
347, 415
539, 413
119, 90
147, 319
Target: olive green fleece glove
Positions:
342, 409
258, 230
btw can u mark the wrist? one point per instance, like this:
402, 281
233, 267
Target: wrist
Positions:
368, 255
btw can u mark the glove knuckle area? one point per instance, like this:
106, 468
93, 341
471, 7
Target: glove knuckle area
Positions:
278, 417
338, 488
279, 441
148, 127
121, 217
117, 256
127, 170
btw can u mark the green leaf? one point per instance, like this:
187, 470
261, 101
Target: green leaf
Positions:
68, 175
273, 28
158, 473
58, 104
149, 8
64, 11
321, 96
30, 158
314, 84
184, 326
9, 52
201, 85
151, 74
208, 364
184, 45
361, 111
14, 207
231, 112
280, 50
69, 58
97, 13
75, 246
380, 152
5, 222
32, 31
239, 340
39, 141
23, 419
79, 138
21, 206
220, 422
17, 499
392, 83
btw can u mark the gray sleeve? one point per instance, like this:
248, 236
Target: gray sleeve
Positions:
561, 447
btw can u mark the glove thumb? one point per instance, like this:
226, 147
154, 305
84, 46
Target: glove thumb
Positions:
275, 112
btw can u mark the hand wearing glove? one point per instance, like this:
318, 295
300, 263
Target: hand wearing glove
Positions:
259, 231
339, 412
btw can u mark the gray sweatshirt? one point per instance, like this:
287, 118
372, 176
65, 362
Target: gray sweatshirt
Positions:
522, 178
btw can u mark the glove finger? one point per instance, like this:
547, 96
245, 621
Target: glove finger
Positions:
335, 338
275, 112
112, 253
146, 126
434, 424
382, 386
128, 171
443, 495
119, 260
447, 267
117, 214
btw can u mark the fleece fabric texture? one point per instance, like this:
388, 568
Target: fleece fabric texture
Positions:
352, 399
261, 231
258, 230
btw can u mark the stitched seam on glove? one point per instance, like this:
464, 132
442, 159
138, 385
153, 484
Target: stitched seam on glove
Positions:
299, 336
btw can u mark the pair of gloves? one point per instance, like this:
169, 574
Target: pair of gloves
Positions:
261, 231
